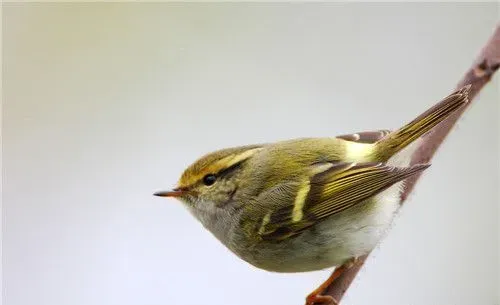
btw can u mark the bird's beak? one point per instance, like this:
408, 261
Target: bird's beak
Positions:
171, 193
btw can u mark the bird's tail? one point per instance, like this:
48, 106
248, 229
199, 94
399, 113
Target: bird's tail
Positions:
399, 139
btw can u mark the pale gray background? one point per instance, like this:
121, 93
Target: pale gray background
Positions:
104, 104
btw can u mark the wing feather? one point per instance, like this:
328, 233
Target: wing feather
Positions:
332, 191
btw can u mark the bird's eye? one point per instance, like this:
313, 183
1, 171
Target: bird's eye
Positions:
209, 179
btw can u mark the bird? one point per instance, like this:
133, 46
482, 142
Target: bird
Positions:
308, 204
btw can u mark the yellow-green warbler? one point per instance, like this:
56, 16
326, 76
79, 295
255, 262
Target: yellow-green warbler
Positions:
311, 203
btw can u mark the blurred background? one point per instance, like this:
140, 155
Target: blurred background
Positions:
106, 103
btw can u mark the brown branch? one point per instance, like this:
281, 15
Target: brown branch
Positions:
478, 76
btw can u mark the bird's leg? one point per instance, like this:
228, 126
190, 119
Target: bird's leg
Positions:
316, 296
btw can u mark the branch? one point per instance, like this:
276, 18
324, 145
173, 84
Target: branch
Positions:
478, 76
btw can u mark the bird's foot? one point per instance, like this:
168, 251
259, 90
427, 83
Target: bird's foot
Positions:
320, 299
317, 297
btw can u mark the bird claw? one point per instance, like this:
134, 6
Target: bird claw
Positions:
321, 299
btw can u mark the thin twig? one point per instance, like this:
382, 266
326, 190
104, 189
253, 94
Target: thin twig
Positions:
478, 76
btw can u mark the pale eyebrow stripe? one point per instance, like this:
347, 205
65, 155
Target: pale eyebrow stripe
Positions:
234, 159
227, 162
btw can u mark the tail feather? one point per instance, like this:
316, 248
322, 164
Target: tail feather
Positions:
399, 139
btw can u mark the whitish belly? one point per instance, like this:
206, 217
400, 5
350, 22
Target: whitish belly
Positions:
351, 233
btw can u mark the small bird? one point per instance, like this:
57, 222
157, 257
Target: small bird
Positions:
310, 203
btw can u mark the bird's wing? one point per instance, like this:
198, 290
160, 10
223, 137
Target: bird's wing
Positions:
332, 190
368, 137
